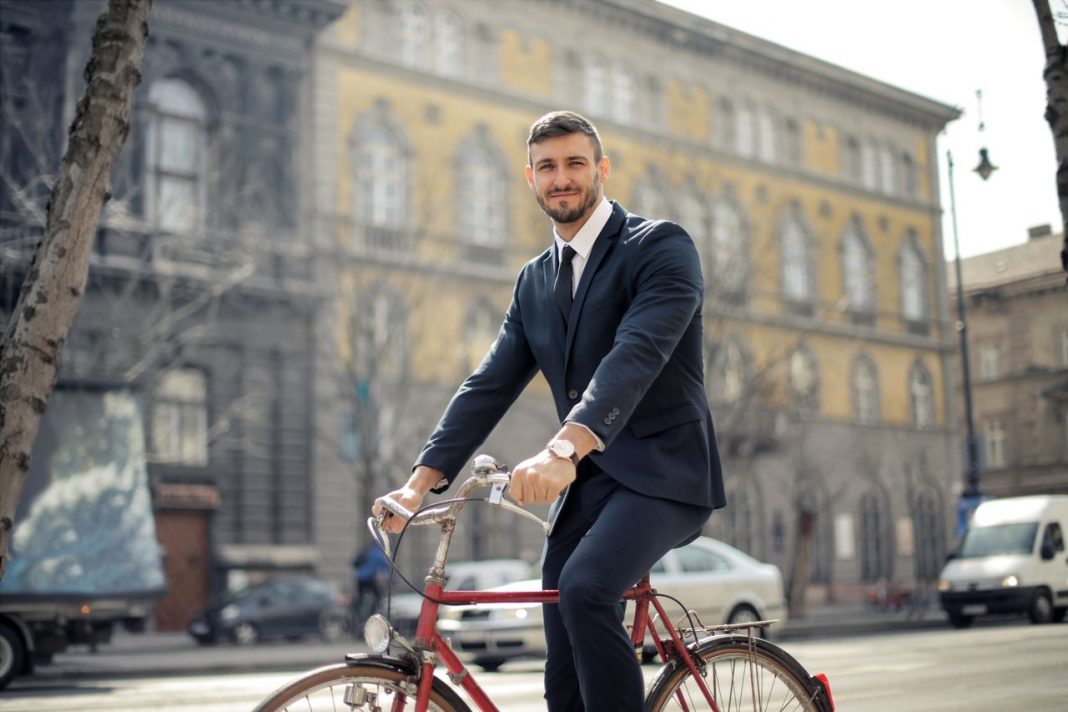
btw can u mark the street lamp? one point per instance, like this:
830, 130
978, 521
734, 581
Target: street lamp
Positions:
972, 494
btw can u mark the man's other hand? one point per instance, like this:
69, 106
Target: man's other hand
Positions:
541, 479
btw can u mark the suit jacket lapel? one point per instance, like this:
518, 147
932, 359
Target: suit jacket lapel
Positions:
600, 248
556, 323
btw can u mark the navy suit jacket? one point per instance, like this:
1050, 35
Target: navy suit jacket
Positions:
628, 365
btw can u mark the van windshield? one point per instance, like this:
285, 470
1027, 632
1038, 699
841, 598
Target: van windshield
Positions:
999, 539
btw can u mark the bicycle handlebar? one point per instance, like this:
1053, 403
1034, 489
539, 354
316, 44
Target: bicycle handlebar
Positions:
487, 472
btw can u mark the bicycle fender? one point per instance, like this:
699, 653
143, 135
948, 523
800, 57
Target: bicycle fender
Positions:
386, 662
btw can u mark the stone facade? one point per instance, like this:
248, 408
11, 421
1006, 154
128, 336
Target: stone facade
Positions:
1017, 314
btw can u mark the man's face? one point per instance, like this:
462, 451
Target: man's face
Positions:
565, 178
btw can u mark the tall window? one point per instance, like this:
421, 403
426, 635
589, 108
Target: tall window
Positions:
865, 391
921, 397
930, 536
415, 36
869, 169
995, 442
381, 181
886, 170
623, 94
744, 138
180, 418
804, 380
909, 177
914, 305
724, 123
796, 261
448, 45
730, 268
595, 85
851, 163
873, 551
766, 146
858, 271
483, 216
989, 360
175, 156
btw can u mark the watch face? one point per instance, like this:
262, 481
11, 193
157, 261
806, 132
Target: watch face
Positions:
563, 448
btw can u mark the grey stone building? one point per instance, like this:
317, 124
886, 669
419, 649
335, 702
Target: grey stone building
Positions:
201, 293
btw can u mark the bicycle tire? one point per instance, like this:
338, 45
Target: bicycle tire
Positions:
377, 683
732, 667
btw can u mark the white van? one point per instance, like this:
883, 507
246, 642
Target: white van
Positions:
1012, 560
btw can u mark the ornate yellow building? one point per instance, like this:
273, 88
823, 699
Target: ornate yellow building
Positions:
811, 192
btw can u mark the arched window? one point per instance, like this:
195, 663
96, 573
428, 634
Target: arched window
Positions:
693, 216
744, 138
648, 199
804, 381
176, 141
797, 260
887, 170
415, 36
869, 169
929, 530
730, 264
623, 94
767, 147
483, 217
180, 418
851, 163
380, 186
865, 391
921, 397
448, 45
595, 85
873, 544
914, 305
858, 270
723, 124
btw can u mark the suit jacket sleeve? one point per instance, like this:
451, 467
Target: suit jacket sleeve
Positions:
482, 399
668, 292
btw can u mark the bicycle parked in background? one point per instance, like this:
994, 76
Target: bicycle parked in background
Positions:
723, 668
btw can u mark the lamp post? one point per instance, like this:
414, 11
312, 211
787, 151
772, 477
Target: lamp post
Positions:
972, 493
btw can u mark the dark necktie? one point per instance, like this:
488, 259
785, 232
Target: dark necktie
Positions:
562, 290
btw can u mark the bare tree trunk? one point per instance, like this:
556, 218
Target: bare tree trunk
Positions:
1056, 76
52, 291
802, 571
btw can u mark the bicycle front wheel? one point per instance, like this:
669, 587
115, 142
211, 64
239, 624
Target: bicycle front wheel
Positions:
741, 674
368, 684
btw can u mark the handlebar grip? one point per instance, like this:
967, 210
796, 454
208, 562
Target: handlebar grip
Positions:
395, 507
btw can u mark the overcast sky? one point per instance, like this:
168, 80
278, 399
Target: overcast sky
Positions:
945, 50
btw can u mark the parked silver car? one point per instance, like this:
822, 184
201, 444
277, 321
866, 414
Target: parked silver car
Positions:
719, 582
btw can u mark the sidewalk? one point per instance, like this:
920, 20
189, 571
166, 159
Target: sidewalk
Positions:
151, 654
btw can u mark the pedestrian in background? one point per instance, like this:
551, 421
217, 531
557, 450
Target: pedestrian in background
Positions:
370, 573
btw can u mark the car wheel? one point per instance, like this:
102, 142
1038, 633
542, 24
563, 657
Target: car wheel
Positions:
333, 626
1041, 609
744, 613
959, 620
12, 653
489, 664
245, 634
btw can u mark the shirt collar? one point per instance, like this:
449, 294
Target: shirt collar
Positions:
583, 240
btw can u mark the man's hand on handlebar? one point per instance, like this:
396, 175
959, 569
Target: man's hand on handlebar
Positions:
410, 496
541, 479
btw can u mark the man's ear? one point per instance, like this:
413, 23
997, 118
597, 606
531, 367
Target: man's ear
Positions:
529, 172
604, 168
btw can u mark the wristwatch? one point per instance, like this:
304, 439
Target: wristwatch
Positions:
564, 449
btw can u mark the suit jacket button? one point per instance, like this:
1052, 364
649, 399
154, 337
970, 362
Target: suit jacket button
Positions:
615, 411
572, 394
607, 421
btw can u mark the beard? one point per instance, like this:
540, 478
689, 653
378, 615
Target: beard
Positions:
587, 199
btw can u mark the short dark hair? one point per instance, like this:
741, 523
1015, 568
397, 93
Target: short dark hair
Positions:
564, 123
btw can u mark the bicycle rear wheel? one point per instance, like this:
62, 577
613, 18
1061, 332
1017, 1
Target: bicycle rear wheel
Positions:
742, 674
367, 684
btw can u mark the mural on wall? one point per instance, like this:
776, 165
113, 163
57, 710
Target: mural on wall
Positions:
84, 524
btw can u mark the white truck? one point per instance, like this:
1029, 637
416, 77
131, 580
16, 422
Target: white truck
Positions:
1012, 559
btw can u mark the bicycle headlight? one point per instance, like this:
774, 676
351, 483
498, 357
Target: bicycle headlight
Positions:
377, 633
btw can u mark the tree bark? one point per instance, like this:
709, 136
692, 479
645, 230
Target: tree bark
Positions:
1056, 76
52, 290
802, 570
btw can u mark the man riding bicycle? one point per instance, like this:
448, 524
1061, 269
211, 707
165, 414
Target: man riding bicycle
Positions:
610, 314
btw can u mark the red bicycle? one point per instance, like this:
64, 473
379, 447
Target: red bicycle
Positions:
723, 668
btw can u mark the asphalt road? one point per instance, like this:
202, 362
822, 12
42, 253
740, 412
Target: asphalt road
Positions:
1009, 666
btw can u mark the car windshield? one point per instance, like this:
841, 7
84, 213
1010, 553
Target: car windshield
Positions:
999, 539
